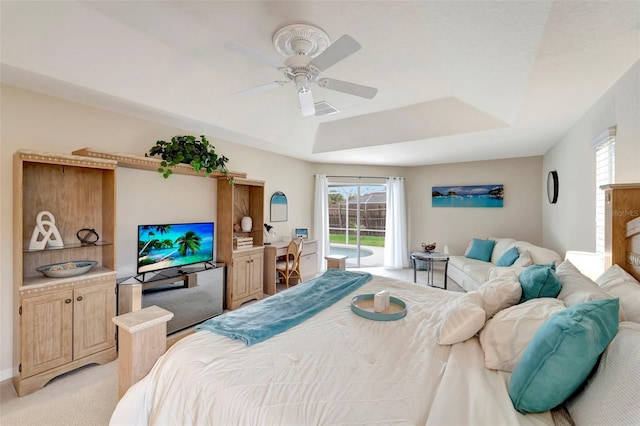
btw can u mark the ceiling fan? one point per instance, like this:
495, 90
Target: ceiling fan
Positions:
309, 52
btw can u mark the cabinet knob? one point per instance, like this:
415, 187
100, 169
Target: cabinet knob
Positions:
67, 301
79, 299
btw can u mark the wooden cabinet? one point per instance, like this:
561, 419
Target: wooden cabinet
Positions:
622, 204
62, 323
59, 327
246, 283
244, 273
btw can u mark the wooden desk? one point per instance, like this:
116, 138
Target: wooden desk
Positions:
308, 262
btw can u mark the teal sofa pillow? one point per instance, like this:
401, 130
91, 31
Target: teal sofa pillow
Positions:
508, 257
539, 281
481, 249
562, 354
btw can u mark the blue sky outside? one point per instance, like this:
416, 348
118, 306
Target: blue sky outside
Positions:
353, 189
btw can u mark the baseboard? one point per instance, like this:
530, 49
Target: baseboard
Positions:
6, 374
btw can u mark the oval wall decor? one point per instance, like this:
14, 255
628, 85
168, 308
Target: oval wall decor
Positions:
552, 186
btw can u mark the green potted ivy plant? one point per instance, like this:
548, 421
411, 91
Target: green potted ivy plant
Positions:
198, 153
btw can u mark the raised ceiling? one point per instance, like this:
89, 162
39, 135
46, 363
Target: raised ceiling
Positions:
458, 80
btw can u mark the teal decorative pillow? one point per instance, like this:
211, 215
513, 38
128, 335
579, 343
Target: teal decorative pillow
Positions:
481, 249
562, 354
508, 257
539, 281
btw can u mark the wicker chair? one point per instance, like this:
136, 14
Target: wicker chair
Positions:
290, 266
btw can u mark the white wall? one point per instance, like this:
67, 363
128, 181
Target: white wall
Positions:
570, 223
520, 218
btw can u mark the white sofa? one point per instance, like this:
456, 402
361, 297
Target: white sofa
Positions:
472, 273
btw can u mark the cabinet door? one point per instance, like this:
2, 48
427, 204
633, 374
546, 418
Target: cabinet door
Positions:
46, 332
257, 273
93, 329
309, 260
241, 277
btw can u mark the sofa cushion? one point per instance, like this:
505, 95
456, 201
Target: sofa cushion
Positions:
478, 273
461, 262
481, 249
501, 246
539, 255
539, 281
524, 259
561, 355
508, 257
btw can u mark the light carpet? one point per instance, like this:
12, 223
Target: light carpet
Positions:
86, 396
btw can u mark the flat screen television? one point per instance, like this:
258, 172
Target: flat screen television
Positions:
174, 245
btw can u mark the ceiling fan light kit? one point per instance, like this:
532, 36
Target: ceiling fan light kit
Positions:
309, 51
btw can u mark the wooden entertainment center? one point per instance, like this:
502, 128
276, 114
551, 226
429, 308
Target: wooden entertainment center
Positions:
66, 323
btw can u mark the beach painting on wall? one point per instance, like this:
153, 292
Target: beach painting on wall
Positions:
467, 196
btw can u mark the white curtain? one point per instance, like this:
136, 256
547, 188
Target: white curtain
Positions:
396, 251
321, 218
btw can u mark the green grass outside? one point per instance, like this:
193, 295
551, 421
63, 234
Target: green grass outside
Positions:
365, 240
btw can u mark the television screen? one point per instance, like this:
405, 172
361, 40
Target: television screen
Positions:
174, 245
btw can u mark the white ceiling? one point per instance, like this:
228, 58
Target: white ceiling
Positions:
458, 80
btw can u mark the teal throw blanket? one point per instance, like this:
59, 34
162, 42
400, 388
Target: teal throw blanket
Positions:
275, 314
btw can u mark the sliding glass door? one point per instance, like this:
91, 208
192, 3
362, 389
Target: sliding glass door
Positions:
357, 213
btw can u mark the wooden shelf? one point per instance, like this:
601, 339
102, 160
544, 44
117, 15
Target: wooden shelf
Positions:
69, 246
149, 163
47, 283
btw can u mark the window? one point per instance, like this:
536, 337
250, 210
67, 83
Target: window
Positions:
604, 146
357, 216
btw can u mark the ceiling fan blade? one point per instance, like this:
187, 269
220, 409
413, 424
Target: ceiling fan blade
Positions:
350, 88
306, 102
258, 89
238, 48
339, 50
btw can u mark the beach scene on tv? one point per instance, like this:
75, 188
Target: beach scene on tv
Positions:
467, 196
169, 246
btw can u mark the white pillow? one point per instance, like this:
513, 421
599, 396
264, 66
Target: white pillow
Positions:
500, 293
614, 273
622, 285
576, 287
496, 271
611, 393
462, 318
524, 259
505, 336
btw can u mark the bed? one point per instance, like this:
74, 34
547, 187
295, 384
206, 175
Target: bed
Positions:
428, 367
334, 368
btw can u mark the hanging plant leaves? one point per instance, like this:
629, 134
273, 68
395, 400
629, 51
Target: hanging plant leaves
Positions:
198, 153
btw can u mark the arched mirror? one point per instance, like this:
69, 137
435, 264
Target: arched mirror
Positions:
278, 207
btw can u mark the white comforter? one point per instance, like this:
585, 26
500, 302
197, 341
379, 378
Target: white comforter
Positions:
335, 368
